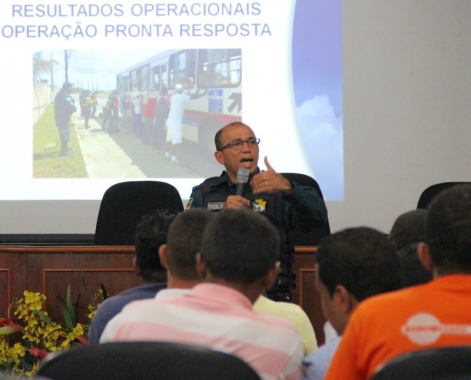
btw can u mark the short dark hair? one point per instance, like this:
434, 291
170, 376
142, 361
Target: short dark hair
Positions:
412, 270
151, 233
361, 259
217, 136
448, 230
184, 242
240, 246
409, 228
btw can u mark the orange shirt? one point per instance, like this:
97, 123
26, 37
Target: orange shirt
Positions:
382, 327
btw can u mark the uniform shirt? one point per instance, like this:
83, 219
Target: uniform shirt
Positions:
382, 327
303, 208
64, 106
218, 317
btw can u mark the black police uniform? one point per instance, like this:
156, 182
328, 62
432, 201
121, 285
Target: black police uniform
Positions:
303, 208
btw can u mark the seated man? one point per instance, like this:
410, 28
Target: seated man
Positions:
238, 259
433, 314
178, 256
292, 313
289, 204
151, 233
352, 265
406, 233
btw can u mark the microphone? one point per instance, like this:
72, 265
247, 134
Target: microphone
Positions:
242, 179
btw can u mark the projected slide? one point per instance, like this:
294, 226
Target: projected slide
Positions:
102, 78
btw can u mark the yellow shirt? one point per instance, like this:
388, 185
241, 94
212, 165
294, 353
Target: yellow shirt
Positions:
294, 314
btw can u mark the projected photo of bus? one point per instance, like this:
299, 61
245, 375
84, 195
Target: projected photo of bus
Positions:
215, 74
114, 132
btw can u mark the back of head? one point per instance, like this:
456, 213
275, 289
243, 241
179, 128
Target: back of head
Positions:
409, 228
151, 233
361, 259
240, 246
448, 230
178, 88
184, 242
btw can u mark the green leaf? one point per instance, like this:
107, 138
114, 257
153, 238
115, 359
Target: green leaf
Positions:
104, 292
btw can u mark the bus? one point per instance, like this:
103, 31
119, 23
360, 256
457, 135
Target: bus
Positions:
214, 73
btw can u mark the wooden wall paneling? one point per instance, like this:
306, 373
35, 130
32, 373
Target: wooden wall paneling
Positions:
305, 294
52, 269
13, 273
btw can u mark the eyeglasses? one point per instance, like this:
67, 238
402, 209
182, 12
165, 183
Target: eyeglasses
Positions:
238, 144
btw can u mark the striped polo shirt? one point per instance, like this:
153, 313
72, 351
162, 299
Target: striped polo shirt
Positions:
218, 317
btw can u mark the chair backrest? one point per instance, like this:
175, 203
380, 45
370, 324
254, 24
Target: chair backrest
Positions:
124, 204
145, 361
430, 192
313, 237
430, 364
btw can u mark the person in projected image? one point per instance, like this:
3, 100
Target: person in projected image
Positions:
286, 203
64, 107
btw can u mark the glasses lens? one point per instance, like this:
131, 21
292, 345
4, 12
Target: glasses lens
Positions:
238, 144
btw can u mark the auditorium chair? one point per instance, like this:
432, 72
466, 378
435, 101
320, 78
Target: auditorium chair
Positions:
125, 203
145, 361
444, 363
310, 238
430, 192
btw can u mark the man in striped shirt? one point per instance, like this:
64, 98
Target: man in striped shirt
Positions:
238, 260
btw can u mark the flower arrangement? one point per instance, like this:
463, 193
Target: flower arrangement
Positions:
39, 334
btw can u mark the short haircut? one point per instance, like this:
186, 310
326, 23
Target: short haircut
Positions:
448, 230
361, 259
412, 270
409, 228
184, 242
240, 246
151, 233
217, 136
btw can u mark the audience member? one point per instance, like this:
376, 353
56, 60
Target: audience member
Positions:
352, 265
423, 316
237, 261
151, 233
292, 313
406, 233
178, 256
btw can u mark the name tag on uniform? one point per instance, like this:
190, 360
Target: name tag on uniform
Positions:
216, 205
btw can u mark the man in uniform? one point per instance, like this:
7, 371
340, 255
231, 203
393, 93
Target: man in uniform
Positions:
286, 203
64, 107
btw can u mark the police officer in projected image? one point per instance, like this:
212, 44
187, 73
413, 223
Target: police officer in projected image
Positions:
111, 112
243, 184
174, 121
86, 107
64, 107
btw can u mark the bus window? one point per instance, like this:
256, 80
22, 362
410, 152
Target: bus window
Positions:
155, 78
182, 68
219, 67
143, 75
164, 78
134, 81
125, 84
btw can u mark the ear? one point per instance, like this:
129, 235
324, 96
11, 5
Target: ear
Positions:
344, 299
424, 256
135, 266
271, 276
219, 157
163, 255
201, 266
